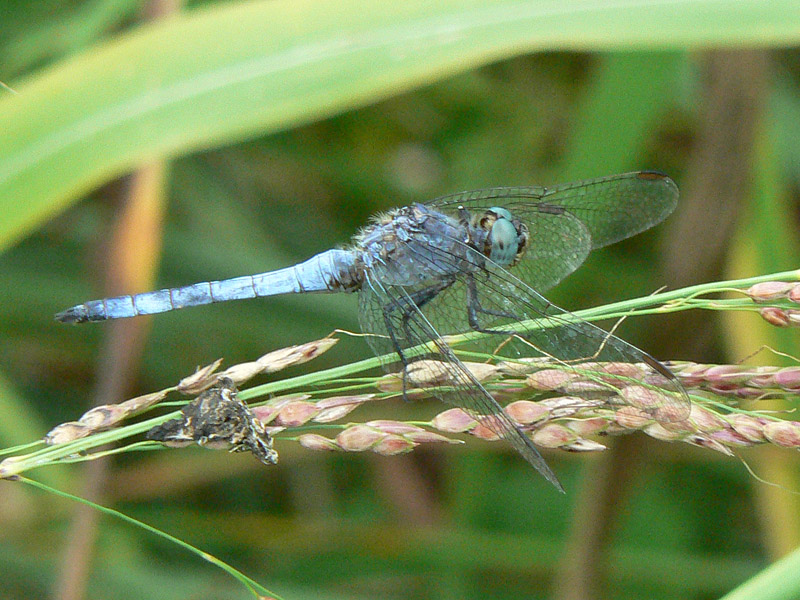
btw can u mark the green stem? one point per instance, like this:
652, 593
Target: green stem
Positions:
254, 587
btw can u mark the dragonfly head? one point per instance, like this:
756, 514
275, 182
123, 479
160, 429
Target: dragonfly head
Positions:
507, 237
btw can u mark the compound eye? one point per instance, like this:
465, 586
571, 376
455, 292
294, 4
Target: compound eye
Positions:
505, 242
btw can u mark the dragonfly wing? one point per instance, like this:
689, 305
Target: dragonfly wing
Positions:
610, 208
389, 313
432, 285
539, 336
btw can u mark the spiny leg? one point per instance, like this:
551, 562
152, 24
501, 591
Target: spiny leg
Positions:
474, 308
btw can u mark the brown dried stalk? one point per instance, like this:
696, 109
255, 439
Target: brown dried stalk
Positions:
107, 416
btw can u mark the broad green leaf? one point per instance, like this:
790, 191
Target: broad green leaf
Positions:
779, 581
226, 73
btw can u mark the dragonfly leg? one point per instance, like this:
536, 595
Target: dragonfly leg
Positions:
474, 308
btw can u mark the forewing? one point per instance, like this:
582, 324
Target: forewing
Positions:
609, 208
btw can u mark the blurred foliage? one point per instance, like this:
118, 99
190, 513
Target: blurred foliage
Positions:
334, 526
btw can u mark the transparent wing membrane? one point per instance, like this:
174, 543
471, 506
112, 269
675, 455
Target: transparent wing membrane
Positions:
567, 221
508, 319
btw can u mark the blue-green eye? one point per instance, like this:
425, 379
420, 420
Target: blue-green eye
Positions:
504, 238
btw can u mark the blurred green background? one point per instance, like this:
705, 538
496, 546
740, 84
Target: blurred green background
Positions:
163, 143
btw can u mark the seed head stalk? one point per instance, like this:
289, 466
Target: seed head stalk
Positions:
555, 414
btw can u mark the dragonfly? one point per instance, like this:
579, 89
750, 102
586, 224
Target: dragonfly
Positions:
474, 263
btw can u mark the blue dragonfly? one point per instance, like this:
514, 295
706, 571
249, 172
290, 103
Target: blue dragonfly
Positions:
470, 263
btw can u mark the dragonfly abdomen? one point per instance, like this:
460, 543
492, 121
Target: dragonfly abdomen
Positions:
331, 271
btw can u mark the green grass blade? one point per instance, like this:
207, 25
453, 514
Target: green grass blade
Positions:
247, 582
229, 72
779, 581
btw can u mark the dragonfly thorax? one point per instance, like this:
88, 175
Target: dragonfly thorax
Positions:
506, 237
